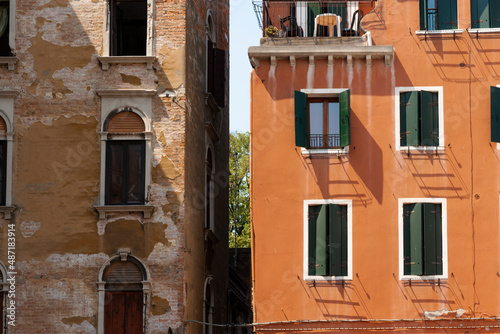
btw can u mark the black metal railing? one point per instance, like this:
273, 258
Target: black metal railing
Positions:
294, 18
324, 141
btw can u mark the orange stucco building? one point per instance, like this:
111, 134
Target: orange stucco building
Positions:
375, 167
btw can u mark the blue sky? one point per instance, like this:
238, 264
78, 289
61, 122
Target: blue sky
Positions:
244, 31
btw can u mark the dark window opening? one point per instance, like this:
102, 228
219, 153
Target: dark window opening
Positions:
129, 28
125, 169
208, 190
3, 171
5, 50
216, 73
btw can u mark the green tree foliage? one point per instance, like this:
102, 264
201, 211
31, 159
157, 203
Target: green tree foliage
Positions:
239, 190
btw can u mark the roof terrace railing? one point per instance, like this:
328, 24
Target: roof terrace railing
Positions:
298, 18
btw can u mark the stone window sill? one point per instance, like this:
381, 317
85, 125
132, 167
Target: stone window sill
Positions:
107, 61
483, 30
104, 209
7, 211
439, 32
10, 61
325, 151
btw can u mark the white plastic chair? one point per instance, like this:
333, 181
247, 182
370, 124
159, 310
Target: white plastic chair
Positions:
330, 20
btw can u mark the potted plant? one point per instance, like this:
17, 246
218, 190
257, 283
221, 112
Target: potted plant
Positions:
271, 31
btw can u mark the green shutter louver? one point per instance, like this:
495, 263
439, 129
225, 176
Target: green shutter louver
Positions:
447, 14
433, 248
301, 119
495, 114
318, 234
480, 13
495, 13
429, 119
409, 118
413, 239
338, 240
345, 118
423, 14
423, 239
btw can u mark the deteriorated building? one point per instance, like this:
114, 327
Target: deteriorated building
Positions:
113, 165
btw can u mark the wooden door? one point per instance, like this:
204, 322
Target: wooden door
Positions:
123, 312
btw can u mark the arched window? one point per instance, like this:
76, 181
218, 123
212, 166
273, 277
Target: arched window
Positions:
216, 64
125, 159
3, 161
123, 295
209, 190
4, 287
208, 306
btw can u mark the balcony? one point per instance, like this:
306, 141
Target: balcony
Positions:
298, 18
315, 29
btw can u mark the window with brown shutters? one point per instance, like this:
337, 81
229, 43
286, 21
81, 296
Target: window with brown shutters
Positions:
123, 311
125, 122
125, 160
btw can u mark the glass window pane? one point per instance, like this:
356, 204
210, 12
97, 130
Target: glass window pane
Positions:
134, 179
116, 173
333, 124
316, 118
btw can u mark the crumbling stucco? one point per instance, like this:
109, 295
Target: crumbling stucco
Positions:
45, 52
165, 168
159, 305
444, 313
173, 66
130, 79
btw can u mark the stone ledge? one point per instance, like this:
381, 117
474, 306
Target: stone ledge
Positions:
10, 61
104, 209
7, 211
108, 60
312, 52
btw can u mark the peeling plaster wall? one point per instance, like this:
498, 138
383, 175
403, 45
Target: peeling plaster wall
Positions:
56, 168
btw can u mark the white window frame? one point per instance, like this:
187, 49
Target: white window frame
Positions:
308, 203
397, 117
444, 225
5, 289
123, 254
140, 102
7, 113
324, 93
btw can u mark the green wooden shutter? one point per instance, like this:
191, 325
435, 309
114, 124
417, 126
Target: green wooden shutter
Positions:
423, 14
495, 13
429, 119
345, 118
413, 242
313, 9
409, 118
495, 114
318, 233
447, 14
338, 240
480, 13
301, 119
433, 243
